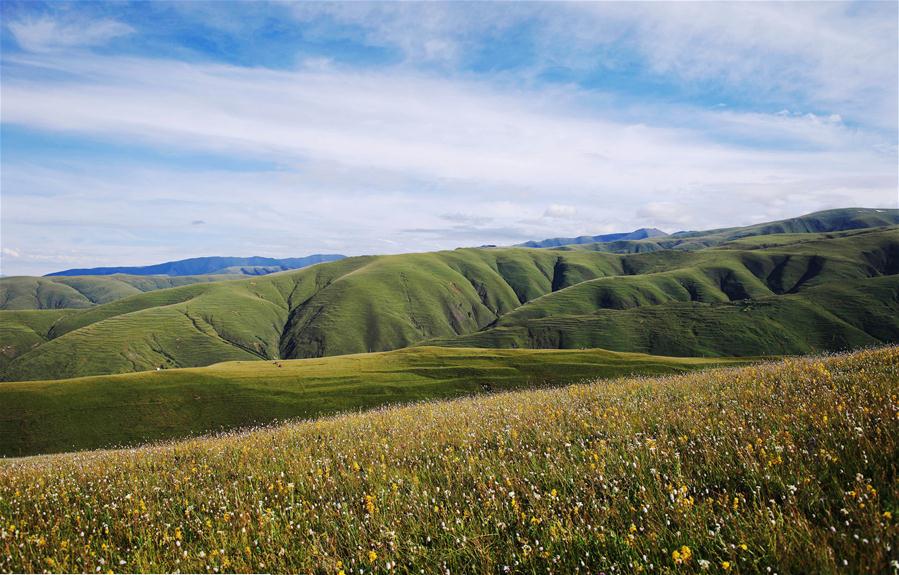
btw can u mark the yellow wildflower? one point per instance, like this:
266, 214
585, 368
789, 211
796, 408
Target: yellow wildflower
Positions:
682, 555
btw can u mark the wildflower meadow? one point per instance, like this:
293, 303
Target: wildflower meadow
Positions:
783, 467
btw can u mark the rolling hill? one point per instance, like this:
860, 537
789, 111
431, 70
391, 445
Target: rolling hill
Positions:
104, 411
814, 294
748, 296
209, 265
827, 221
823, 221
31, 293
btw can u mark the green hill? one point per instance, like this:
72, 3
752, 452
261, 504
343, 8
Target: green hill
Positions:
57, 292
103, 411
761, 296
811, 295
694, 303
22, 331
787, 467
826, 223
350, 306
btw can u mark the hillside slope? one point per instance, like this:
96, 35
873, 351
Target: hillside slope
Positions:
349, 306
22, 331
830, 222
813, 295
727, 301
105, 411
781, 468
26, 292
823, 221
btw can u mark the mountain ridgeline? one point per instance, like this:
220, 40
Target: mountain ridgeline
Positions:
651, 239
211, 265
80, 288
641, 234
746, 295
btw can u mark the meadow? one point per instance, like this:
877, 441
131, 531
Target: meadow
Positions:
785, 467
129, 409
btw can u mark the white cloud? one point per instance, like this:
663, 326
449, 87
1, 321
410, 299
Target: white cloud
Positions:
391, 154
9, 252
838, 55
831, 55
560, 211
419, 127
48, 34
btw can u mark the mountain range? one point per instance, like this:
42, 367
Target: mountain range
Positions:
209, 265
736, 292
641, 234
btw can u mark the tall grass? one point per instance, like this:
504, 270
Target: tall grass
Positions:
788, 467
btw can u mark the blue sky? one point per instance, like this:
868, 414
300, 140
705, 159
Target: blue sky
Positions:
134, 133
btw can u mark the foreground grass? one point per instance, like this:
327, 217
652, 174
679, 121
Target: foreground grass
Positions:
790, 466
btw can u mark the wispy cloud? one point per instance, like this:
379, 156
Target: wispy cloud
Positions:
830, 56
47, 34
421, 127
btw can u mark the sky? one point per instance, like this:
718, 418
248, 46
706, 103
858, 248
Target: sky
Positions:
139, 132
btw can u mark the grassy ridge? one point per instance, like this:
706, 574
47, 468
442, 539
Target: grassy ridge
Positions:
816, 294
784, 325
788, 467
828, 223
22, 331
823, 221
350, 306
657, 302
58, 292
102, 411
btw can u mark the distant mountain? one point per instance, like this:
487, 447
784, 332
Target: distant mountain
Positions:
211, 265
641, 234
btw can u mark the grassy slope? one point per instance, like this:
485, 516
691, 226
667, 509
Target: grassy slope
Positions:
813, 295
672, 302
828, 223
823, 221
102, 411
24, 330
25, 292
350, 306
786, 468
